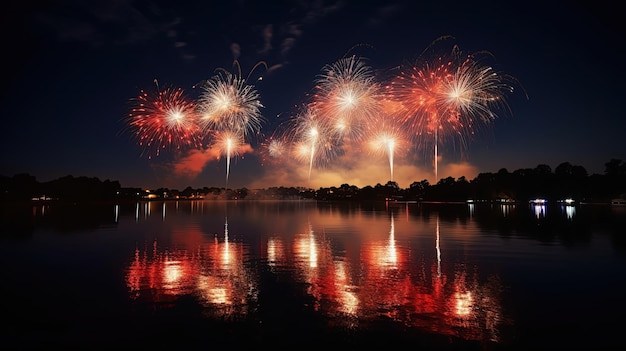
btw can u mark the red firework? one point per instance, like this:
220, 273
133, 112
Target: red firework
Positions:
164, 120
445, 99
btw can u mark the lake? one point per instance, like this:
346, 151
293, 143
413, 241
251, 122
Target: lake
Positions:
202, 274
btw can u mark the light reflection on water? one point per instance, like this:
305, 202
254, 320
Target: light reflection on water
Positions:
488, 273
570, 211
212, 270
381, 275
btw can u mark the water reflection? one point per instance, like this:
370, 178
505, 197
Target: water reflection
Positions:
211, 272
438, 249
506, 209
392, 284
569, 210
540, 210
355, 276
214, 272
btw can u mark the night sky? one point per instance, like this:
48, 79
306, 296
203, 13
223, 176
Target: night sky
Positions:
71, 68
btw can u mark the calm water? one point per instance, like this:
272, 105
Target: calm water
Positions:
202, 274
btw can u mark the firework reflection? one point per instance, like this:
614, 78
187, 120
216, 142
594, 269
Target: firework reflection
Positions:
390, 282
213, 272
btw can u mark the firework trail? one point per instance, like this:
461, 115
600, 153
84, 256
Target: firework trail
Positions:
312, 138
449, 96
228, 143
163, 119
387, 140
228, 105
385, 133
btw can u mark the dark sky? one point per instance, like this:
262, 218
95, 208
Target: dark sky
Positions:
71, 68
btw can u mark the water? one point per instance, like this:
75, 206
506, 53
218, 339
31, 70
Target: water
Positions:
200, 274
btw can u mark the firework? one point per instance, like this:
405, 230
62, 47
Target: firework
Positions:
347, 96
273, 148
228, 144
229, 106
163, 119
313, 139
387, 141
439, 99
449, 97
276, 147
385, 134
228, 103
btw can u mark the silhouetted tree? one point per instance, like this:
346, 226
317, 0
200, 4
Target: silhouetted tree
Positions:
615, 173
417, 190
523, 184
241, 193
615, 167
20, 187
570, 181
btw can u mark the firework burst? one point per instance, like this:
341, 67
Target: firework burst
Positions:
229, 106
313, 139
347, 96
228, 103
448, 98
273, 149
164, 119
440, 98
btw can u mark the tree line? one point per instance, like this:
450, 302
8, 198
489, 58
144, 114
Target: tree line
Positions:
566, 181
